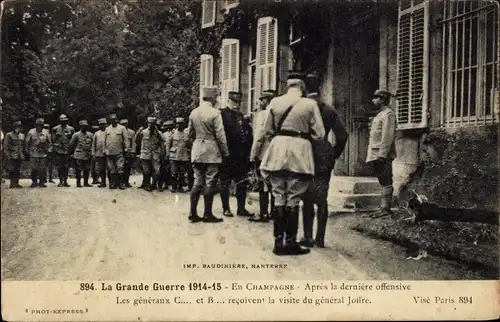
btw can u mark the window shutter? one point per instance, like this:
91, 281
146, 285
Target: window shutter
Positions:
267, 52
228, 4
413, 66
230, 67
206, 71
208, 13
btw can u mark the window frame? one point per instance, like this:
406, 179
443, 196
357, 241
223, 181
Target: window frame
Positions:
210, 23
265, 66
224, 89
207, 81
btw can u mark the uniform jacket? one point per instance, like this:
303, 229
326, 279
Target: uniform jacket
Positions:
382, 132
238, 140
38, 144
14, 145
151, 144
61, 138
288, 153
82, 144
97, 149
206, 131
260, 140
131, 136
178, 146
116, 140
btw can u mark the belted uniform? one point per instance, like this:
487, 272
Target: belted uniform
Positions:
178, 152
129, 158
38, 144
61, 137
82, 143
14, 146
151, 142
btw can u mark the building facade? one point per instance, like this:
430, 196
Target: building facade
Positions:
439, 59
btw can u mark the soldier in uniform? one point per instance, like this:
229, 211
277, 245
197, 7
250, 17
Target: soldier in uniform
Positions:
381, 150
93, 172
61, 135
318, 189
260, 141
50, 157
38, 144
129, 156
288, 163
150, 142
14, 147
165, 170
97, 151
81, 144
236, 166
178, 152
209, 148
116, 142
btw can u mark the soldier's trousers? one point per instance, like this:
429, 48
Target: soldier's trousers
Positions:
317, 194
62, 162
82, 165
165, 172
115, 163
50, 165
15, 168
127, 166
382, 170
38, 169
288, 187
100, 164
179, 170
205, 181
236, 171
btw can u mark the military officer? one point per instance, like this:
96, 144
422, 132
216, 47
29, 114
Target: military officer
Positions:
260, 141
61, 136
381, 150
318, 189
93, 172
38, 144
293, 121
150, 142
165, 169
206, 131
178, 152
129, 156
236, 166
81, 144
116, 142
97, 151
14, 147
50, 157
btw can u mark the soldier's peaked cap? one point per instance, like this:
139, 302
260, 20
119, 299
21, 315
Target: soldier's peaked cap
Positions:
268, 94
151, 119
17, 123
83, 123
123, 121
113, 117
295, 77
101, 121
234, 96
39, 121
383, 94
63, 117
46, 125
169, 122
209, 91
179, 120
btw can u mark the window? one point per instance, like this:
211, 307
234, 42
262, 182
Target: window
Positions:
267, 52
230, 68
208, 13
470, 60
413, 48
252, 76
206, 71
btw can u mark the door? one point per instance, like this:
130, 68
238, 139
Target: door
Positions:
363, 81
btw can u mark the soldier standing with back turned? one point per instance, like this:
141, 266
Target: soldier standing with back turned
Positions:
14, 146
61, 135
81, 144
381, 149
38, 144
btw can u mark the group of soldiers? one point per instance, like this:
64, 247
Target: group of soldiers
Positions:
287, 149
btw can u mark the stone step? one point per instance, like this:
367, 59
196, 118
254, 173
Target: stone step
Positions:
340, 202
354, 185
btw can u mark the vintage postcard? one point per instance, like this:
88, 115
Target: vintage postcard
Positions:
249, 160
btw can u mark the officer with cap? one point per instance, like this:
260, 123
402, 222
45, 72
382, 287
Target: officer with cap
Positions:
61, 136
165, 173
97, 151
325, 155
129, 156
381, 150
116, 142
14, 146
178, 152
38, 144
292, 123
81, 145
236, 166
50, 157
150, 142
93, 171
206, 131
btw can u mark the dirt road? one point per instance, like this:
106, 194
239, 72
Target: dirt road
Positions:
81, 234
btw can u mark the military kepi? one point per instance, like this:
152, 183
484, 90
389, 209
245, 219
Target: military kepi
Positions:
382, 94
123, 121
179, 120
295, 77
63, 117
169, 122
209, 92
234, 96
151, 119
267, 94
113, 117
39, 121
17, 123
83, 123
102, 121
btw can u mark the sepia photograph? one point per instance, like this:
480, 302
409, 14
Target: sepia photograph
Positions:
247, 145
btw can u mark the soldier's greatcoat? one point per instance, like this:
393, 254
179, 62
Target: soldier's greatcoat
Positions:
38, 144
382, 132
116, 140
289, 153
14, 145
151, 144
83, 145
209, 146
98, 144
61, 138
178, 146
261, 141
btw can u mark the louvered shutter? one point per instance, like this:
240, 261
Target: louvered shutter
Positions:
267, 52
206, 71
208, 13
230, 68
413, 66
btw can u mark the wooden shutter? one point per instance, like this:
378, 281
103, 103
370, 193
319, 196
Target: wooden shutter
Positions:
267, 53
206, 71
208, 13
413, 66
230, 68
